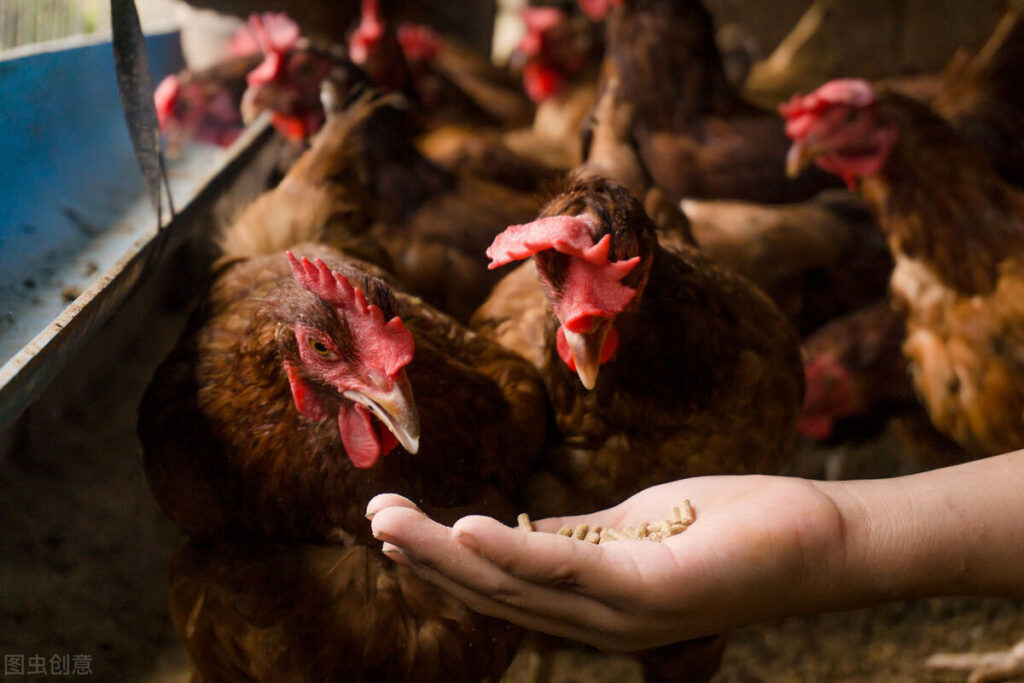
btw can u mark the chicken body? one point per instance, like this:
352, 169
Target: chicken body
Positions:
435, 224
817, 260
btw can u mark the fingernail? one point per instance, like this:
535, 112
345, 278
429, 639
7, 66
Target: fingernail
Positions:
395, 553
467, 540
369, 515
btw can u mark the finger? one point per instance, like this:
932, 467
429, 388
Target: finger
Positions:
383, 500
459, 569
428, 543
581, 619
607, 572
395, 553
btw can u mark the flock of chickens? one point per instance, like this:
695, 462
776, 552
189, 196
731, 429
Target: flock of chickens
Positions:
494, 297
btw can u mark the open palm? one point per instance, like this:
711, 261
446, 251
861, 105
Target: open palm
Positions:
749, 556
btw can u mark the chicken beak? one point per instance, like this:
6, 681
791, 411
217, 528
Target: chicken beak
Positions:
396, 409
586, 351
800, 156
250, 106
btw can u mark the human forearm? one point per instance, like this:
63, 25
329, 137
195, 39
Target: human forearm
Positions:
958, 530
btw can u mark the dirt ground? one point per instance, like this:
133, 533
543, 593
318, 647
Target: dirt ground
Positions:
83, 553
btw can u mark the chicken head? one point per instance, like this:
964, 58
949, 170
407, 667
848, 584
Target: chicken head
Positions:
837, 127
593, 256
288, 80
345, 360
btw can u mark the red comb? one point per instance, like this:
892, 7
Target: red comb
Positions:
419, 43
389, 343
267, 32
597, 10
272, 33
369, 31
164, 97
572, 235
593, 283
538, 21
851, 92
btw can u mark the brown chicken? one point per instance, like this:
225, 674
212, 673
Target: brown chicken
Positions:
302, 387
655, 361
956, 230
696, 135
287, 82
855, 373
559, 57
204, 105
858, 384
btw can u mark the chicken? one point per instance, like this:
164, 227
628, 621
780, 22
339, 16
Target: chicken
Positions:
858, 384
697, 137
206, 104
855, 372
559, 57
288, 80
203, 105
654, 361
304, 385
956, 230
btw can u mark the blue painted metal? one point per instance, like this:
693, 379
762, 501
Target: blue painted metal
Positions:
67, 177
74, 216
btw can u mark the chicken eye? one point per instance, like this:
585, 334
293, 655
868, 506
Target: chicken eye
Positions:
319, 348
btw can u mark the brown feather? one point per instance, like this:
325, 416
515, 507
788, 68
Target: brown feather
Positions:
957, 232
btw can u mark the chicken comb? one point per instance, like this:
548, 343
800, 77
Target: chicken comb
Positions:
367, 33
850, 92
419, 43
538, 20
267, 32
572, 235
272, 33
389, 343
165, 97
592, 283
597, 10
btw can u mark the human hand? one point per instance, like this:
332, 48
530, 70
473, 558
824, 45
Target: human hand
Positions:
760, 548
